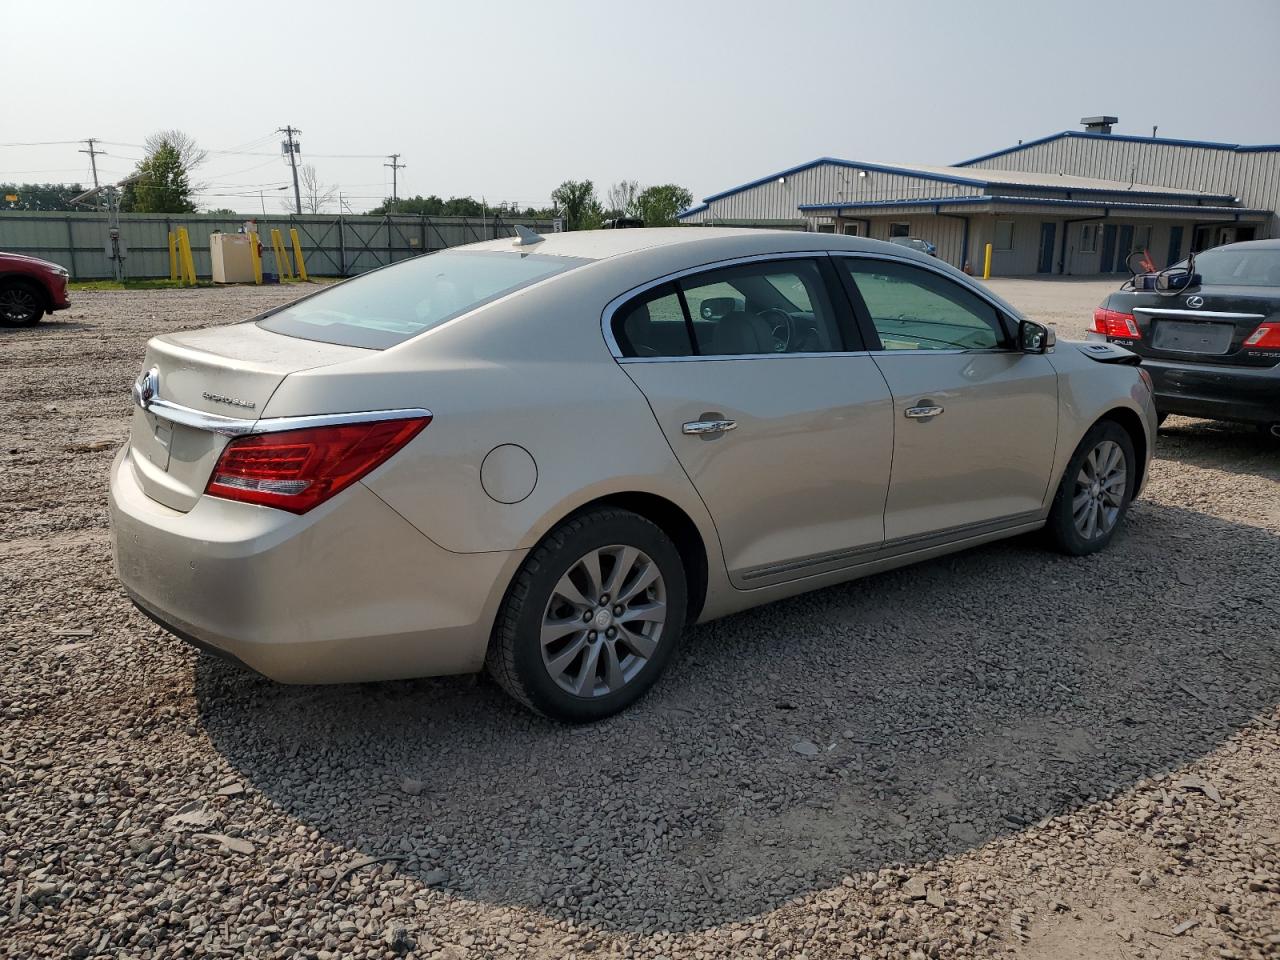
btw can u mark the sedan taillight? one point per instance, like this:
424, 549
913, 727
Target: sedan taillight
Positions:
1113, 323
296, 470
1267, 335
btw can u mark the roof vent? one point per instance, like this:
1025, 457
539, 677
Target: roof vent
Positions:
1098, 124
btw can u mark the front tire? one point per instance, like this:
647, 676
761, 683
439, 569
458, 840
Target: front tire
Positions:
592, 617
21, 304
1095, 491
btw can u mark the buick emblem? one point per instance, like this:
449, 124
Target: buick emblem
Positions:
146, 388
1195, 302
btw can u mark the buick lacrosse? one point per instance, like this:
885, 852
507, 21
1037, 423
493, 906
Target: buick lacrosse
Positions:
548, 456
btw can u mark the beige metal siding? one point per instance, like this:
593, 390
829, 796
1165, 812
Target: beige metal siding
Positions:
1253, 176
826, 183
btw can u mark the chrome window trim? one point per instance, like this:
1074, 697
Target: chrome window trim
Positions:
719, 357
606, 319
963, 282
1213, 314
238, 427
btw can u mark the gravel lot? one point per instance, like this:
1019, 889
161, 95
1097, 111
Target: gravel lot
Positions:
1004, 752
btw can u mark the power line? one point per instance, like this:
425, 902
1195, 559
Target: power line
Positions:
40, 143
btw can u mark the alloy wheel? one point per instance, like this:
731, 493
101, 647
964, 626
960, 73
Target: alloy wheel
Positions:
18, 305
1100, 489
603, 621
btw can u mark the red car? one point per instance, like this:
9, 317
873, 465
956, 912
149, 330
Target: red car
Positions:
30, 288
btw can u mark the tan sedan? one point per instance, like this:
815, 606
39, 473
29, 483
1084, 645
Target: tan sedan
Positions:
551, 455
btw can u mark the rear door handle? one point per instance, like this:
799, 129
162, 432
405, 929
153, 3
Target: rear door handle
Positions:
701, 428
923, 412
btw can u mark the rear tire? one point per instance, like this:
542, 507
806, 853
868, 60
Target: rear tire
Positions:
1096, 489
21, 304
592, 617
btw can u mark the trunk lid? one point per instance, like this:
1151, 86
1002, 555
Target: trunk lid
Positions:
1213, 330
229, 371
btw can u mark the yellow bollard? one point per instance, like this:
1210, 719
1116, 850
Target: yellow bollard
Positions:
188, 262
297, 253
986, 264
173, 257
283, 267
256, 257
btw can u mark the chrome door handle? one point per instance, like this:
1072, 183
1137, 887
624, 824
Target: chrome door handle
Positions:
696, 428
923, 413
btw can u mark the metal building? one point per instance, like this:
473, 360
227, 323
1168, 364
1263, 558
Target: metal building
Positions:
1077, 202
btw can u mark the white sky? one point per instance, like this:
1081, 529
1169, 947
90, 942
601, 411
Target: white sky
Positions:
507, 99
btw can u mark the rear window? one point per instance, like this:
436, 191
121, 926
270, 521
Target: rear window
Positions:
391, 305
1248, 268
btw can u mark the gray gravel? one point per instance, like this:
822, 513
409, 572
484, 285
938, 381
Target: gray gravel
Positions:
1000, 752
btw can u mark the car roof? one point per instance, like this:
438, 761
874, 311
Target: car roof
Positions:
734, 241
1270, 244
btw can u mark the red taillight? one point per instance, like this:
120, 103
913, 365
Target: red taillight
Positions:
1267, 335
296, 470
1115, 324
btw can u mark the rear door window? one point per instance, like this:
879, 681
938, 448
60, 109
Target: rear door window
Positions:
389, 306
762, 308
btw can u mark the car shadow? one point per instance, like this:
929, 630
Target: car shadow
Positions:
945, 705
48, 326
1236, 448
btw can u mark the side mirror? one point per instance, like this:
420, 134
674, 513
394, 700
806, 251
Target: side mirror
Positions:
717, 308
1035, 337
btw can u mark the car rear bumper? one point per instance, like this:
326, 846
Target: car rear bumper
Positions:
348, 592
1216, 392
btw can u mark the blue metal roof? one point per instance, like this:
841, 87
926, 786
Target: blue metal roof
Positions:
1128, 138
1033, 201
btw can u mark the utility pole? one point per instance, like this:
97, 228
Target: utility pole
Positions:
93, 162
395, 165
292, 147
93, 158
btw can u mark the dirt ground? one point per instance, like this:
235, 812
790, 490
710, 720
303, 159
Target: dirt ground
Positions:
1004, 752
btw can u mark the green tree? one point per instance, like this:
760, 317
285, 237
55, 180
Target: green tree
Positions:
39, 196
576, 200
659, 205
163, 183
223, 212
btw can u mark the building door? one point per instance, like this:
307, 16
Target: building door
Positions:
1175, 246
1048, 234
1107, 263
1124, 247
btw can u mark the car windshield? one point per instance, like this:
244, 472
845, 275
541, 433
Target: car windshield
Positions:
391, 305
1247, 268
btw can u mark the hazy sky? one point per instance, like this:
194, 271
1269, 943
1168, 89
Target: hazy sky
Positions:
507, 99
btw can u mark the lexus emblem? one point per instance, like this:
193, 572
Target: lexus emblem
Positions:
1195, 303
146, 388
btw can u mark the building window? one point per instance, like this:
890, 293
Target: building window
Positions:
899, 230
1142, 238
1004, 234
826, 228
852, 230
1089, 238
